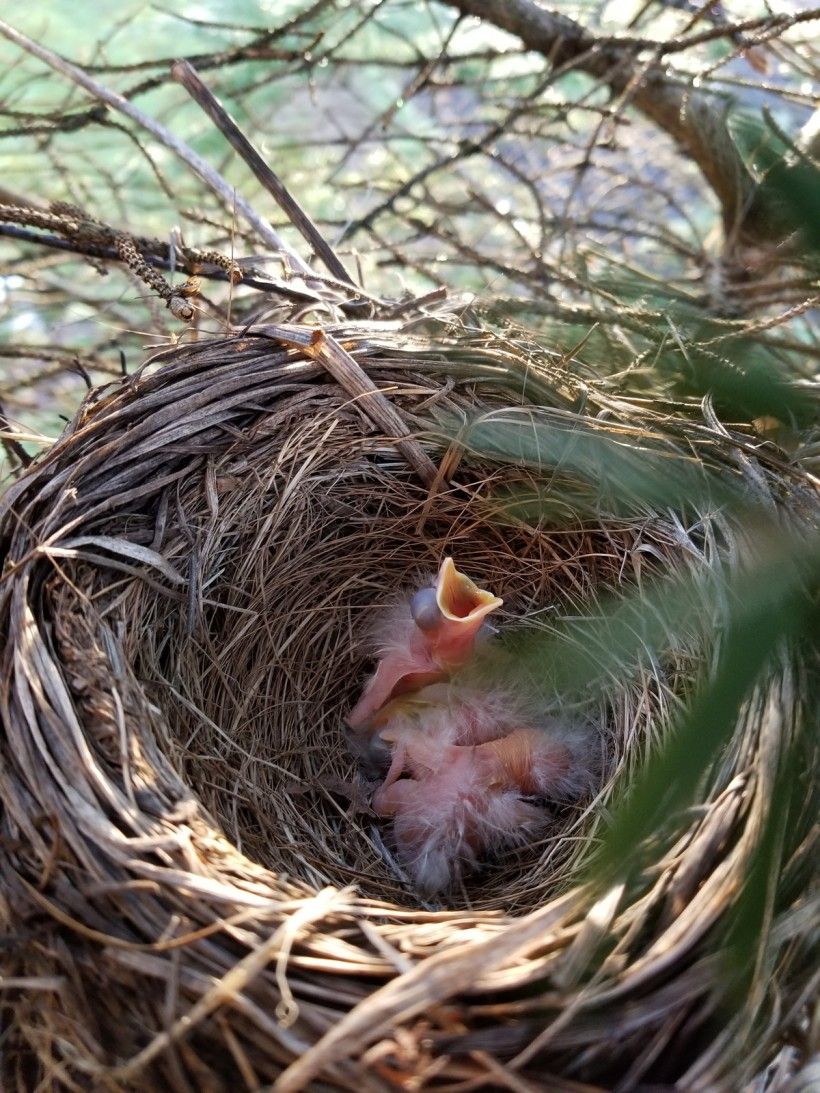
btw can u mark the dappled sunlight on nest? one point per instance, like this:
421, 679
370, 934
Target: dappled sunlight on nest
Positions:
188, 627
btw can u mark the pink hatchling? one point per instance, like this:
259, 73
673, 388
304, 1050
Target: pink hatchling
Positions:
470, 766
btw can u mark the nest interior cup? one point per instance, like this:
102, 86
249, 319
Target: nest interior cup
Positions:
191, 901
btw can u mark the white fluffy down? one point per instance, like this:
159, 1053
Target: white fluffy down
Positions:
454, 804
469, 766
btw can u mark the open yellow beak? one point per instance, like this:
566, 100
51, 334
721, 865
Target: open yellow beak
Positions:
447, 621
463, 607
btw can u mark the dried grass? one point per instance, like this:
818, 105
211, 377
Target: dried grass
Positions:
187, 904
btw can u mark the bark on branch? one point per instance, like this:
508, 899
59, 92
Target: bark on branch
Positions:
195, 162
695, 119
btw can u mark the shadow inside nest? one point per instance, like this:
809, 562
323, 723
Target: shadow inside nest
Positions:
256, 672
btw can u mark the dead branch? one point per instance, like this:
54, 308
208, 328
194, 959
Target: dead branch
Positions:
88, 233
187, 75
14, 449
198, 165
694, 119
252, 277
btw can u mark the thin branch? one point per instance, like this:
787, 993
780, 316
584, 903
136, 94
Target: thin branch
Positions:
464, 150
89, 249
14, 449
184, 73
693, 119
198, 165
768, 25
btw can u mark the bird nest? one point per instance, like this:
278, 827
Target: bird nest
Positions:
193, 897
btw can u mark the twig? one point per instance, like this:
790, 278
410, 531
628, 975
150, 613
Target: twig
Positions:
350, 376
92, 249
464, 150
185, 73
10, 443
198, 165
688, 115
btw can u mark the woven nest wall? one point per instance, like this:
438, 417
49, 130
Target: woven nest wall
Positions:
189, 902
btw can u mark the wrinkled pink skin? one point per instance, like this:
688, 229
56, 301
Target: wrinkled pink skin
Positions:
462, 757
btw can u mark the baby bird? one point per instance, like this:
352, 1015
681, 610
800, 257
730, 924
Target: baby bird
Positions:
468, 766
425, 641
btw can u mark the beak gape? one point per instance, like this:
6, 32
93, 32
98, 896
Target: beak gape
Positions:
463, 607
447, 621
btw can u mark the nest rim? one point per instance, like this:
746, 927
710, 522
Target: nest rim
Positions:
274, 937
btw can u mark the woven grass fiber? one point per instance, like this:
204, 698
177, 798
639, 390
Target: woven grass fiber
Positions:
188, 902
